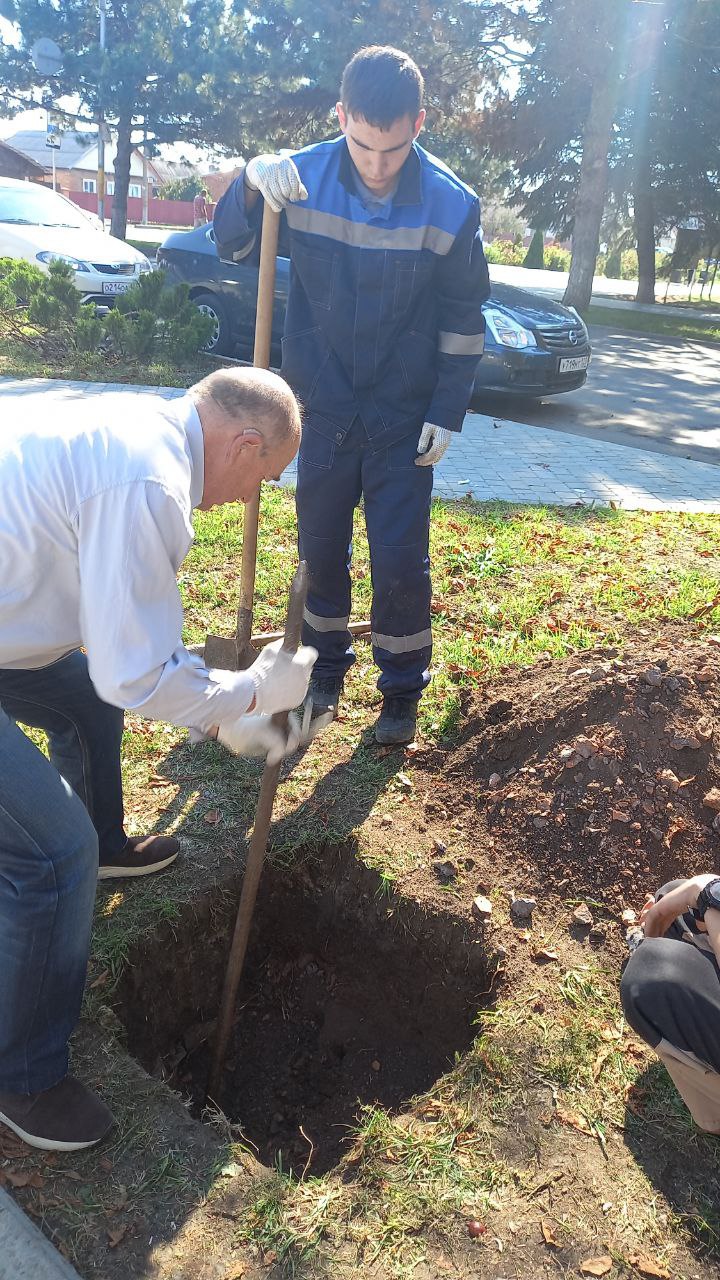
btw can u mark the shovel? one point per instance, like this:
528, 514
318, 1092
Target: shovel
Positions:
256, 852
235, 653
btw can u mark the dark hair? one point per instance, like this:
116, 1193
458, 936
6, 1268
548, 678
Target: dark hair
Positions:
380, 85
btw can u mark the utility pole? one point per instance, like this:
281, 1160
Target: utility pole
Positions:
145, 201
101, 119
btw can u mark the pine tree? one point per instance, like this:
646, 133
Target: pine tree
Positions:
535, 256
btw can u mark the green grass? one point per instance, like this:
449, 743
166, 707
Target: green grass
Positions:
15, 362
510, 583
653, 322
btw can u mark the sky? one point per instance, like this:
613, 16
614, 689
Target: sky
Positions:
203, 158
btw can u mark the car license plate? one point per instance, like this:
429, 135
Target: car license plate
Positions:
573, 364
116, 286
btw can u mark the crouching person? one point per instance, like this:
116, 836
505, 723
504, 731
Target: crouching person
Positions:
671, 990
95, 520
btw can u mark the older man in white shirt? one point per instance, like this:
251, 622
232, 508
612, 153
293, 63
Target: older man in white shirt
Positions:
95, 520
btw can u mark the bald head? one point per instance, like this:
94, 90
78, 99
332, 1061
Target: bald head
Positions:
251, 431
254, 397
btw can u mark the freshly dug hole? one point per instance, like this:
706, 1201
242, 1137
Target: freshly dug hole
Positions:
346, 1000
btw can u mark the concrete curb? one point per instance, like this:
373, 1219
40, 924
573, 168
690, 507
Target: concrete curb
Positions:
24, 1251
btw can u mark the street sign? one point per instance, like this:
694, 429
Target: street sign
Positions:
46, 57
54, 129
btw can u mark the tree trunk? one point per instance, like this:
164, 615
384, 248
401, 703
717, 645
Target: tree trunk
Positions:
644, 220
590, 201
118, 226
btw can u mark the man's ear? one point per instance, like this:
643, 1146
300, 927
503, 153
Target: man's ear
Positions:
342, 117
243, 442
420, 121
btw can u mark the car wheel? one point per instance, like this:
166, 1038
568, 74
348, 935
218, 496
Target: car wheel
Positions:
219, 343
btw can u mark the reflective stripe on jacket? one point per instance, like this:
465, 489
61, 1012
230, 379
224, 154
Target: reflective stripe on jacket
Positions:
384, 315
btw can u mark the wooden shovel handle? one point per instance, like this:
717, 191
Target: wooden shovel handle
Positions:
256, 853
261, 360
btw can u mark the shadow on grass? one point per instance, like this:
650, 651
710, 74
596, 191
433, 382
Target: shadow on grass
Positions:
678, 1158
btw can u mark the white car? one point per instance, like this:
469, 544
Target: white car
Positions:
39, 225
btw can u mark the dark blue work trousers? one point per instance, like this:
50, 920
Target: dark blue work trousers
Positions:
332, 478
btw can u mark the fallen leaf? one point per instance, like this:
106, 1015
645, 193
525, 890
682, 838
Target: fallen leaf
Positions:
70, 1173
116, 1235
705, 608
212, 817
548, 1234
596, 1266
236, 1272
101, 980
544, 957
647, 1267
572, 1118
599, 1061
106, 1165
24, 1177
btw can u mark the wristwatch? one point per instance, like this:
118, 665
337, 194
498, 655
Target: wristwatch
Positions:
708, 897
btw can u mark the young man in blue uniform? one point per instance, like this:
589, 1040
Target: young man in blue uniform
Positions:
383, 333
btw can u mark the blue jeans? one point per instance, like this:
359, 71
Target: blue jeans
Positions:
48, 874
84, 737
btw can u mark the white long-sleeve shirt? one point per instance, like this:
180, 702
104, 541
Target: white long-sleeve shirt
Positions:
96, 504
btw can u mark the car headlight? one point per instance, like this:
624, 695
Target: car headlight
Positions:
142, 267
77, 264
508, 332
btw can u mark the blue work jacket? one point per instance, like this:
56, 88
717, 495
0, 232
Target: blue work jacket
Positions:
384, 316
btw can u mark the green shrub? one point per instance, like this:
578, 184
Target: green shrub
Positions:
535, 256
613, 264
629, 265
557, 259
508, 253
184, 189
45, 314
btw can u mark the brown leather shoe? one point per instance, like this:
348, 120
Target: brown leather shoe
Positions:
67, 1117
141, 856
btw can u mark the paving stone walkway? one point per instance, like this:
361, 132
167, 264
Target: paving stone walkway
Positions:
497, 459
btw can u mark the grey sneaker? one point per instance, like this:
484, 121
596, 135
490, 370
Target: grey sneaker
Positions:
397, 722
67, 1117
324, 692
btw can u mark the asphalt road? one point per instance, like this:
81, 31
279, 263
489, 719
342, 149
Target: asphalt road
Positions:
658, 394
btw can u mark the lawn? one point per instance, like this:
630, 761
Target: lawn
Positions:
525, 1157
654, 322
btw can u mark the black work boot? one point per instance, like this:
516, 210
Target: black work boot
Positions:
397, 721
67, 1117
324, 692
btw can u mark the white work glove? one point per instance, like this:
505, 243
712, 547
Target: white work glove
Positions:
281, 679
277, 180
258, 736
252, 735
432, 444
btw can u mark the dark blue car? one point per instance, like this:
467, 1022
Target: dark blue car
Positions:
533, 345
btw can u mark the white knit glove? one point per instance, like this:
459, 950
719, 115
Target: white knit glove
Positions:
432, 444
281, 679
258, 736
277, 180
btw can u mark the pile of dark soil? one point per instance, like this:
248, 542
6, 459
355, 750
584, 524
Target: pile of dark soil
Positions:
593, 777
